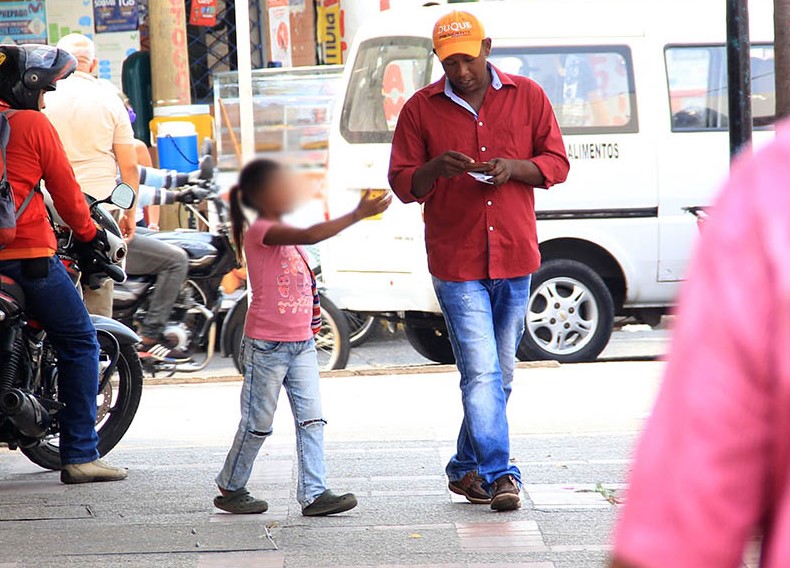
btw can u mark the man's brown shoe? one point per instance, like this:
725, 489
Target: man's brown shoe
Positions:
91, 472
471, 487
506, 494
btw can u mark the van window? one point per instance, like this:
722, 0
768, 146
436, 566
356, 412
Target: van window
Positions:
590, 88
697, 80
386, 73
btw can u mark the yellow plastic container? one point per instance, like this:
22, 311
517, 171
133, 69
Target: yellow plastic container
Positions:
198, 115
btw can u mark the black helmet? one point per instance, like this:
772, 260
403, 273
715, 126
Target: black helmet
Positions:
26, 70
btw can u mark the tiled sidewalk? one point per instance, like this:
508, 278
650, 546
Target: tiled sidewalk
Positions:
162, 516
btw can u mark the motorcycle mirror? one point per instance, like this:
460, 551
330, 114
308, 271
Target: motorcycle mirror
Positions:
122, 196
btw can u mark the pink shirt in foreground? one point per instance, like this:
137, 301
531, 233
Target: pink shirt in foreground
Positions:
281, 307
712, 468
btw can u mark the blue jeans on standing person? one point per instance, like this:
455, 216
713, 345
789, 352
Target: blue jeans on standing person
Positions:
54, 302
268, 366
485, 320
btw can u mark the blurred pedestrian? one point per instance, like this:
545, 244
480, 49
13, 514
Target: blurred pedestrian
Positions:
278, 348
479, 231
96, 131
712, 469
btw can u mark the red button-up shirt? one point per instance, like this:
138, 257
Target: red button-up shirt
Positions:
474, 230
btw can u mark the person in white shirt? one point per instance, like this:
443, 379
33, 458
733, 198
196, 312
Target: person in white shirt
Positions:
96, 131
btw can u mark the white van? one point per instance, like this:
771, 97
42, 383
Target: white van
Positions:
640, 90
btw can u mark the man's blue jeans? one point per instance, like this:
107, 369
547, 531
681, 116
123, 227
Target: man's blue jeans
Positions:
269, 366
485, 319
55, 303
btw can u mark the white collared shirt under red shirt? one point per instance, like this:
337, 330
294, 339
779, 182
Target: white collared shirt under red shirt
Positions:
474, 230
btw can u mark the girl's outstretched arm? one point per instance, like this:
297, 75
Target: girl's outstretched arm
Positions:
285, 235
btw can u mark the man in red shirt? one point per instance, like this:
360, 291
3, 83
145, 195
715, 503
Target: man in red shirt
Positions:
471, 148
34, 153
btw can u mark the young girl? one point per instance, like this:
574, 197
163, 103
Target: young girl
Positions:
278, 348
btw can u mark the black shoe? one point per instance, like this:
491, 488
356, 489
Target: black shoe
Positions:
506, 494
330, 504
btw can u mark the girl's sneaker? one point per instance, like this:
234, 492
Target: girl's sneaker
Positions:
330, 504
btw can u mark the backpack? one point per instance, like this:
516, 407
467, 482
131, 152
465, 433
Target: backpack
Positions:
8, 211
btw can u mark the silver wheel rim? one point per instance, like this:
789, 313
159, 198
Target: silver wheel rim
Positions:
563, 316
325, 342
359, 325
106, 400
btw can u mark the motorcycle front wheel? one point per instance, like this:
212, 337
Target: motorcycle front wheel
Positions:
117, 403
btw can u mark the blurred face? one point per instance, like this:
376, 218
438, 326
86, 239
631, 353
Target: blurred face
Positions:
468, 74
41, 103
281, 196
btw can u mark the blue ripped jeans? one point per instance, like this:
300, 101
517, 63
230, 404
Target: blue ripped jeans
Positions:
485, 320
268, 366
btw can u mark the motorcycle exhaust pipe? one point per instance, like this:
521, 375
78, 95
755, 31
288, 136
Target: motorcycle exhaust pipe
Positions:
25, 413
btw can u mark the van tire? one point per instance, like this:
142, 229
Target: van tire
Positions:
592, 312
433, 343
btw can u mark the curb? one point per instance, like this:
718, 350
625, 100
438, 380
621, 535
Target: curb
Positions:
342, 373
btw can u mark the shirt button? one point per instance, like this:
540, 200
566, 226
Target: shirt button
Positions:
480, 123
489, 203
491, 228
483, 149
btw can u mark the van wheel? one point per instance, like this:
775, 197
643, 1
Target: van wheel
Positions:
431, 342
570, 314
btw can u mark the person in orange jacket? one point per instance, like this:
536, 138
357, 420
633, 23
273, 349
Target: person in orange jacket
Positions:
35, 153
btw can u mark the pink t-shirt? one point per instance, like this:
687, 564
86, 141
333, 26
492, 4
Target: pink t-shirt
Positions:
281, 307
712, 469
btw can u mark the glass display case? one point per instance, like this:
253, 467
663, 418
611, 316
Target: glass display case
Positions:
292, 112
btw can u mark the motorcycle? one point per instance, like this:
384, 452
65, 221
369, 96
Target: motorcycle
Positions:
28, 364
195, 316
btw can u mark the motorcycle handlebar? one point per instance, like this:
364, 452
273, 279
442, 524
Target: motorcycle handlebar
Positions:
115, 272
117, 250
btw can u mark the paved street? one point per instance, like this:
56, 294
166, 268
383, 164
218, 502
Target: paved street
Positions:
388, 438
631, 342
386, 350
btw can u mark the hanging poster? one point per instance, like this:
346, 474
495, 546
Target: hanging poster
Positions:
280, 32
115, 15
112, 49
203, 13
66, 17
23, 22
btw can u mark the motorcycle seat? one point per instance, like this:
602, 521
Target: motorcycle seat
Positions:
12, 297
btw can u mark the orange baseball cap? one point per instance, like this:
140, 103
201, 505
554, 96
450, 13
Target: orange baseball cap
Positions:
458, 32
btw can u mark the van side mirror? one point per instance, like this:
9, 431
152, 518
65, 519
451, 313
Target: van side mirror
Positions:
122, 196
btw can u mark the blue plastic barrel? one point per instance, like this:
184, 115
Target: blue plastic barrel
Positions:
177, 146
